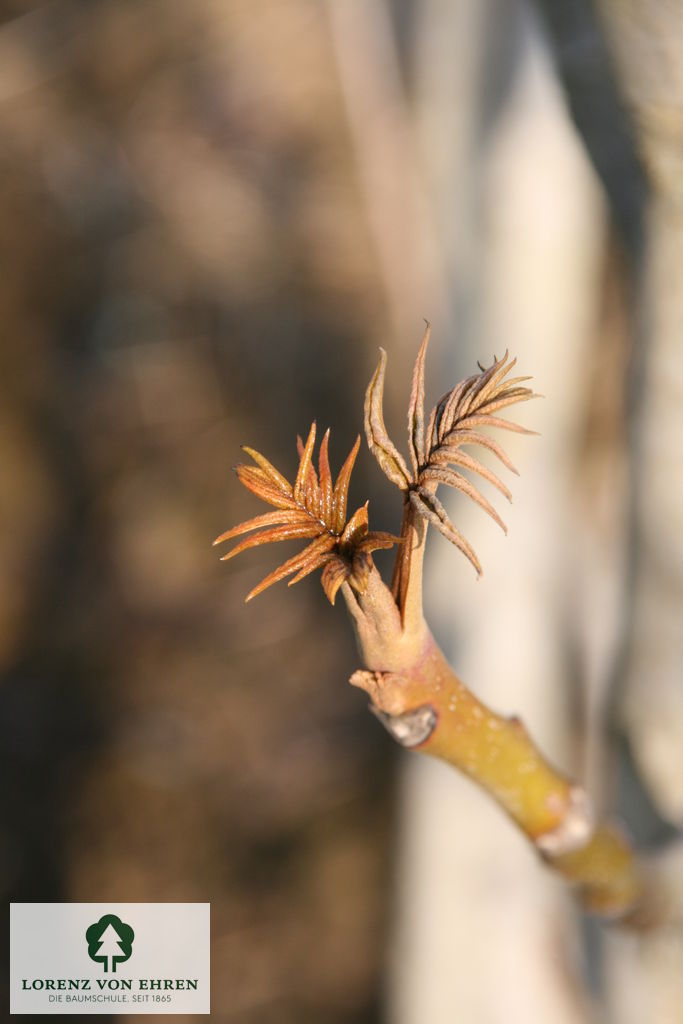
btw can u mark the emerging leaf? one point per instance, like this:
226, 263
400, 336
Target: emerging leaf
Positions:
428, 506
436, 455
379, 442
313, 508
341, 490
416, 408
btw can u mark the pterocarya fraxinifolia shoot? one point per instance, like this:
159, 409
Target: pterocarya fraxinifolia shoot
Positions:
413, 690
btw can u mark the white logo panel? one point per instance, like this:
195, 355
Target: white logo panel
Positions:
109, 958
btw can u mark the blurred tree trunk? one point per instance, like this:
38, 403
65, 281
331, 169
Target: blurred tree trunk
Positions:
473, 903
631, 114
646, 41
622, 67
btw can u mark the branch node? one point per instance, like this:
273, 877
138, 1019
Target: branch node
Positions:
575, 829
410, 729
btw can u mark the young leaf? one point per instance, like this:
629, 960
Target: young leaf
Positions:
379, 442
454, 423
313, 509
416, 407
430, 508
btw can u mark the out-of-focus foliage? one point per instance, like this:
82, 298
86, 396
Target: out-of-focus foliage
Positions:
186, 267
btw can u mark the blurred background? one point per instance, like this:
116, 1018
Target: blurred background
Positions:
212, 215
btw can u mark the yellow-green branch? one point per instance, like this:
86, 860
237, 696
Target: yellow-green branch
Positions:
427, 708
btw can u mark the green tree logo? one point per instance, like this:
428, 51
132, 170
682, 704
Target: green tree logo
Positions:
110, 941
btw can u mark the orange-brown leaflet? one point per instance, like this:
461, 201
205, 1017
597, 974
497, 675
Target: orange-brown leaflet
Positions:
310, 556
380, 444
272, 536
429, 507
304, 484
267, 519
457, 457
333, 575
326, 485
444, 475
341, 490
416, 407
278, 479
